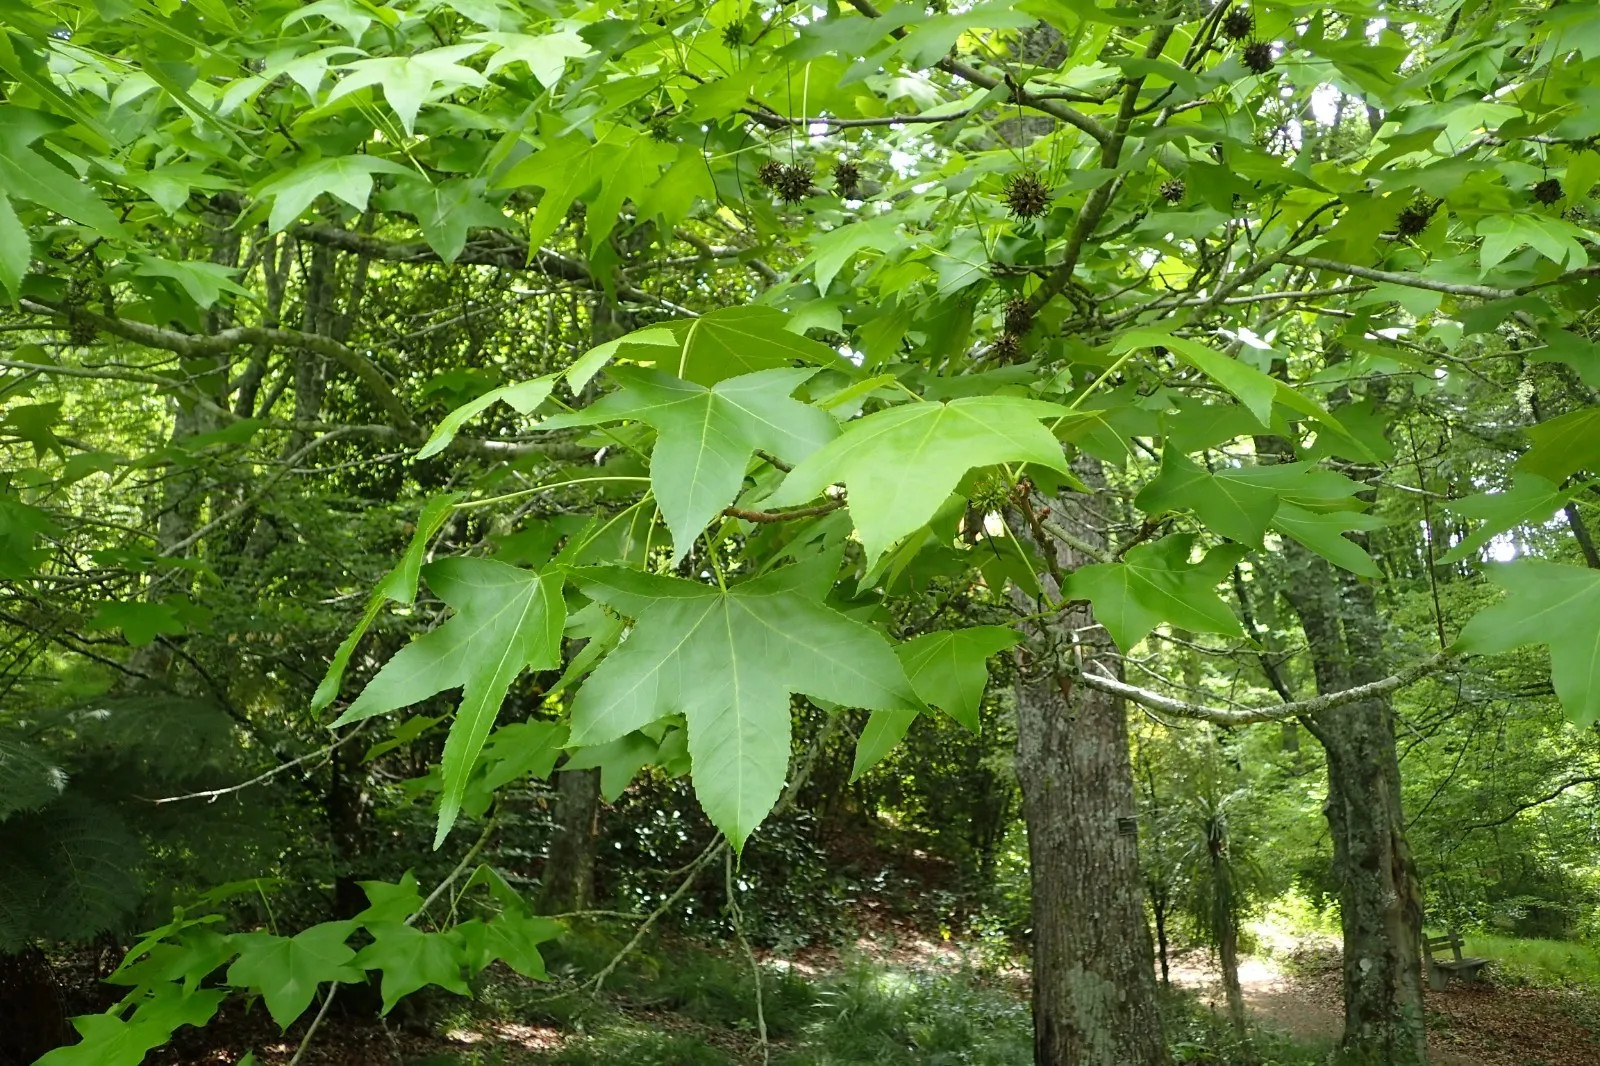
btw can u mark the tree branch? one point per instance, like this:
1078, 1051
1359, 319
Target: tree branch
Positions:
194, 346
1055, 109
1248, 716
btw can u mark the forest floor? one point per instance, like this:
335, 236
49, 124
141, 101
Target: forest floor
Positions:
1294, 985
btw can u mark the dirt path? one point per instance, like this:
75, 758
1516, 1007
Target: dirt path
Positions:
1468, 1025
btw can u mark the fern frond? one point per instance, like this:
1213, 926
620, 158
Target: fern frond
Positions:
28, 781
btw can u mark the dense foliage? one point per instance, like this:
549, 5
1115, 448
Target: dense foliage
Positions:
751, 409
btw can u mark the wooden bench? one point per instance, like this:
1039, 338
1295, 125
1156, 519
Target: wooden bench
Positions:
1440, 970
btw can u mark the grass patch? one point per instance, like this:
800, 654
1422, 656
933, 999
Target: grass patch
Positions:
1561, 963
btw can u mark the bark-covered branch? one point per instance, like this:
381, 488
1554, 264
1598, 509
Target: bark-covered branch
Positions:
1250, 715
1589, 779
1045, 105
197, 345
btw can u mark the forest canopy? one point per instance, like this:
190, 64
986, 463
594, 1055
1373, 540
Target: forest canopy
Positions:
473, 471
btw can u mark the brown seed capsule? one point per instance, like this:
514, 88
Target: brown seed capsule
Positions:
1174, 190
769, 173
1006, 348
1258, 56
1027, 195
80, 330
847, 179
1019, 316
1415, 216
794, 184
1239, 24
1548, 191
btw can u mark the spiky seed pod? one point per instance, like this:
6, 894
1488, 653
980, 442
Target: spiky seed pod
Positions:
990, 494
1027, 195
769, 173
733, 34
847, 179
1007, 348
1174, 190
660, 130
1415, 216
1258, 56
80, 330
1019, 316
794, 184
1238, 24
1548, 191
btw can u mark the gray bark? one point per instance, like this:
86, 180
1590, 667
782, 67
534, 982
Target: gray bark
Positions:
569, 863
1380, 898
1094, 984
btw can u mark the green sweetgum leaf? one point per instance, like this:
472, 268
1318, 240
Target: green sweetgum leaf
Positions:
900, 464
948, 670
1323, 533
619, 762
287, 970
705, 437
1564, 446
511, 937
399, 585
1547, 603
410, 959
388, 902
523, 397
1157, 583
1229, 506
506, 619
728, 662
1530, 499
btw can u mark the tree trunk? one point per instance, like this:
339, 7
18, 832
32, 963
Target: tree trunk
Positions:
1225, 921
1380, 898
569, 864
1094, 985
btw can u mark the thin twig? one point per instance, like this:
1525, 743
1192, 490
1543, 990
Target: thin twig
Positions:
212, 794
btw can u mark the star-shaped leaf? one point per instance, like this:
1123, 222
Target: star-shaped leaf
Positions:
287, 970
1231, 507
705, 437
728, 662
546, 55
1157, 583
1322, 532
1530, 500
1547, 603
1564, 445
511, 937
409, 81
901, 463
522, 397
411, 959
347, 177
390, 902
506, 619
950, 669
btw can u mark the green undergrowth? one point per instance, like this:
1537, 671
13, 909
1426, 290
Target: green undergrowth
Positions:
1557, 963
678, 1004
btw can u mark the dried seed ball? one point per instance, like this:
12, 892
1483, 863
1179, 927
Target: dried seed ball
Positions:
1173, 191
847, 179
1258, 56
80, 330
1238, 24
794, 184
1027, 196
1019, 316
1548, 191
1415, 216
1007, 348
733, 34
769, 173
